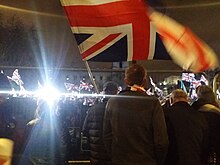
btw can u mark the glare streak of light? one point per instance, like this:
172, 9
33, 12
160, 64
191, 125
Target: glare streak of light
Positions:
31, 12
61, 95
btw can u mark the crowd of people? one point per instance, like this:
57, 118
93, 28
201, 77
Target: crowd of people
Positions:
128, 127
133, 128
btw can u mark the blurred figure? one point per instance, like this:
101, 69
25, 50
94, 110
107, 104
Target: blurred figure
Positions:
43, 145
187, 130
93, 127
134, 125
69, 115
208, 106
205, 95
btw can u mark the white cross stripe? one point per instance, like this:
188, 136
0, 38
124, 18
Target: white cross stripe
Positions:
86, 2
152, 42
100, 33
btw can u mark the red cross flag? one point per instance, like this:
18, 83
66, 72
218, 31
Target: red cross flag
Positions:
184, 47
123, 30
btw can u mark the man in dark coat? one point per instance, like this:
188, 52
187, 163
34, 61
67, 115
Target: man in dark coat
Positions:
93, 127
134, 125
208, 106
187, 130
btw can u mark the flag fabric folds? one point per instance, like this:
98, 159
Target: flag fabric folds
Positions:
113, 30
127, 30
204, 80
184, 47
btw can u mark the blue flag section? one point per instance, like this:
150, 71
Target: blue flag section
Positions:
119, 30
160, 50
118, 52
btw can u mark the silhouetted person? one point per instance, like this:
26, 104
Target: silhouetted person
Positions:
187, 130
43, 145
93, 127
134, 125
208, 106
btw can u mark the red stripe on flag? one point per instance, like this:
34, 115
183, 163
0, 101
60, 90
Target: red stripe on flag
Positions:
169, 36
99, 45
87, 15
201, 54
113, 14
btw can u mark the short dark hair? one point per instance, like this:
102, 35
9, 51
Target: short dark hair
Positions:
135, 74
110, 88
205, 92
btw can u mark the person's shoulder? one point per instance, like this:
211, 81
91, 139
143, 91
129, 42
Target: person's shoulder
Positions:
127, 91
209, 108
137, 95
97, 107
180, 107
198, 103
124, 91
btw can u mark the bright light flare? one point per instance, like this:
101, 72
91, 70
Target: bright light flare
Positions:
48, 93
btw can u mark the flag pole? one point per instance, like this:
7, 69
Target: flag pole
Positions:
91, 76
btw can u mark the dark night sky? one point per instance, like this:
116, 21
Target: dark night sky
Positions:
53, 29
202, 16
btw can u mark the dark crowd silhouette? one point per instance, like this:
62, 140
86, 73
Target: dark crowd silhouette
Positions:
127, 127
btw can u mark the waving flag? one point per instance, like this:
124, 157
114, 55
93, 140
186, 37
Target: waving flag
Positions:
204, 80
113, 30
125, 30
189, 77
184, 47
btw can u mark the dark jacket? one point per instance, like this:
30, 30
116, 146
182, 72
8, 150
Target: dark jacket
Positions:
135, 130
187, 130
212, 115
92, 128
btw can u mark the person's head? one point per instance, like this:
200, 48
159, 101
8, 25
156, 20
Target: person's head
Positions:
178, 95
135, 74
206, 93
110, 88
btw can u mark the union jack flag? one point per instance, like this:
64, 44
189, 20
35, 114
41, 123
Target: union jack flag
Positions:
189, 77
113, 30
